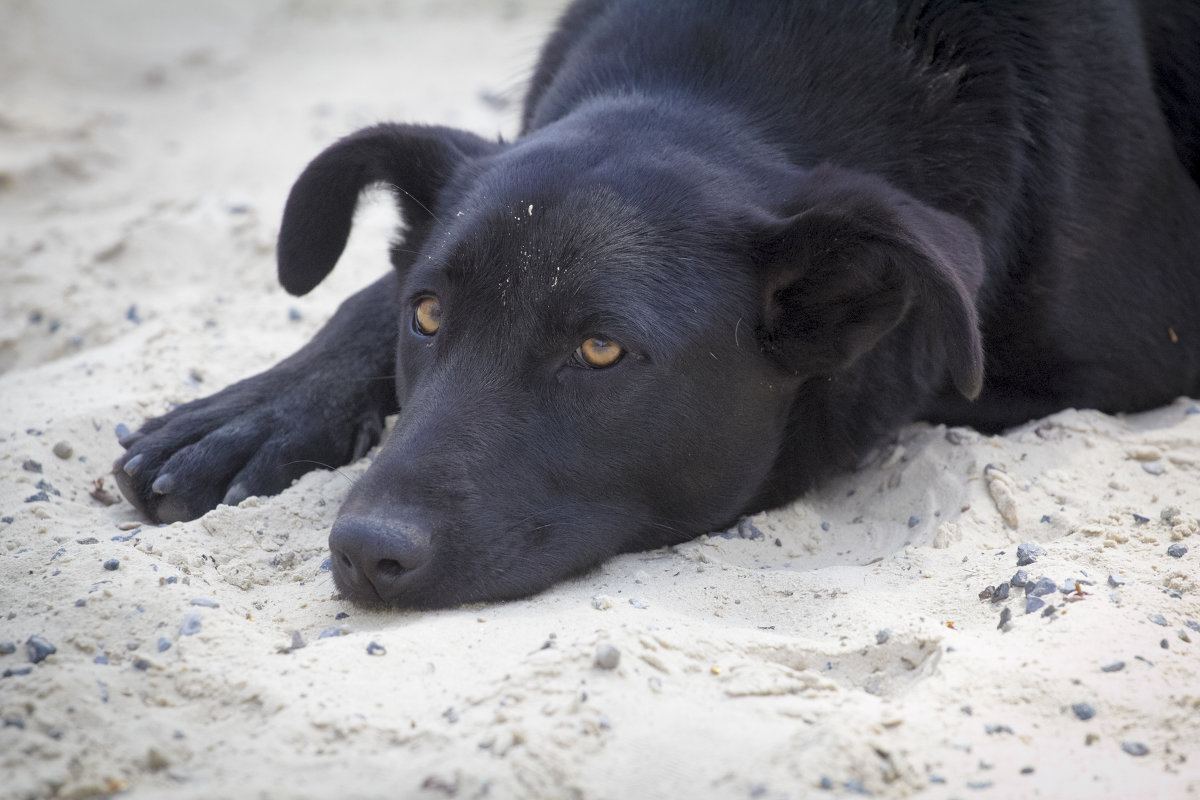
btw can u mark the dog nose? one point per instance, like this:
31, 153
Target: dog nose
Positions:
372, 557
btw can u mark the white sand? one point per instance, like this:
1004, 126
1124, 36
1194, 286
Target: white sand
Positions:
145, 152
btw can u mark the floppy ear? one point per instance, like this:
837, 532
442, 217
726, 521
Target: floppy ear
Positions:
861, 259
416, 161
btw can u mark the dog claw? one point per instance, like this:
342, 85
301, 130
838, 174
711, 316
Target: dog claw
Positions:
123, 432
163, 484
236, 494
132, 465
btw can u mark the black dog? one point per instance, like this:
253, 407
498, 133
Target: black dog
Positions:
736, 245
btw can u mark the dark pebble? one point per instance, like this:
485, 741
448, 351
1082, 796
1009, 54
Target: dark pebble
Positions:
7, 520
607, 656
297, 640
11, 673
141, 664
112, 564
38, 649
80, 603
40, 497
376, 649
1157, 619
341, 615
206, 602
294, 314
164, 644
1135, 748
1191, 623
1045, 518
1115, 580
191, 624
1005, 618
882, 636
1001, 593
1115, 666
825, 783
1026, 770
987, 592
1028, 552
748, 530
132, 315
88, 540
914, 521
1140, 520
825, 526
1048, 611
29, 465
1019, 578
994, 729
1032, 604
101, 659
329, 633
1177, 550
45, 486
1083, 711
7, 648
63, 450
1040, 588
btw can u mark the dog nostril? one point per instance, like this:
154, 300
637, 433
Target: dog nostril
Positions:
390, 568
346, 562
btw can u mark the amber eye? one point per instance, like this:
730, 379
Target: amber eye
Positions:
599, 353
427, 316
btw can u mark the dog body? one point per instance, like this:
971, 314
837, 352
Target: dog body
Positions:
735, 246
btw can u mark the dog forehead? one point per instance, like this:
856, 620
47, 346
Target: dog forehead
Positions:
582, 260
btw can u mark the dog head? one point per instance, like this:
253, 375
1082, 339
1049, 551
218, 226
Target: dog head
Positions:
602, 339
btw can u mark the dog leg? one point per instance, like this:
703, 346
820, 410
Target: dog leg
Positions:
322, 407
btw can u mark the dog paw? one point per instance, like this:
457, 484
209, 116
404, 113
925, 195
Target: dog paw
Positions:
252, 438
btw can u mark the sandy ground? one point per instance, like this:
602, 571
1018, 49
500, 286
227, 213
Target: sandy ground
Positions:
838, 647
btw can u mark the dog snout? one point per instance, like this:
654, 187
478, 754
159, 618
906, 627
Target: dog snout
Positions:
374, 558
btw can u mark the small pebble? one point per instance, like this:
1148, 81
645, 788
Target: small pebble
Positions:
294, 314
1032, 604
191, 624
297, 640
376, 649
1040, 588
1177, 550
882, 636
1154, 467
914, 521
101, 659
7, 648
1116, 580
9, 673
607, 656
1067, 587
80, 603
38, 649
987, 592
1164, 644
327, 565
1005, 619
1135, 748
1001, 593
1115, 666
1191, 623
1083, 711
141, 664
112, 564
206, 602
29, 465
601, 602
1048, 611
341, 615
1157, 619
1028, 552
330, 633
164, 644
63, 450
825, 526
636, 603
1140, 520
1019, 578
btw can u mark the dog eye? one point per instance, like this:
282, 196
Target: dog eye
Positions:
598, 353
427, 316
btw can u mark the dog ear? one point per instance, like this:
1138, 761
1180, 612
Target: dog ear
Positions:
416, 161
861, 259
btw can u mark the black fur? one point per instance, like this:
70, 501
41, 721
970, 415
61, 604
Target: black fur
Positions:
806, 224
